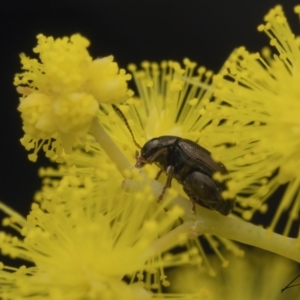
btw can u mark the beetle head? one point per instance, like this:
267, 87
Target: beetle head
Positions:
150, 153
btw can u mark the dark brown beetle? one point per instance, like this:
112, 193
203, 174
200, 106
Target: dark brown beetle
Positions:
190, 164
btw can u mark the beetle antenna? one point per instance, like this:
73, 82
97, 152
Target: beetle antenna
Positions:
121, 115
289, 285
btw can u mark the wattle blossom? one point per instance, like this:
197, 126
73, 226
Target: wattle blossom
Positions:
258, 131
95, 229
167, 104
76, 244
61, 93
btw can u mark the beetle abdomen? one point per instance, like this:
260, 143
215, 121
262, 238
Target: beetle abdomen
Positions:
203, 190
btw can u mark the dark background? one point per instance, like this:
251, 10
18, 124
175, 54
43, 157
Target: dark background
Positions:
206, 31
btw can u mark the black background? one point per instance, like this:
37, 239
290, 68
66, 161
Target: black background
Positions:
205, 31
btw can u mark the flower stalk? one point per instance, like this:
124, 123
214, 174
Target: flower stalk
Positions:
111, 149
206, 221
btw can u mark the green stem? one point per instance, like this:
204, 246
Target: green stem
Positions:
169, 240
247, 233
231, 227
205, 221
109, 147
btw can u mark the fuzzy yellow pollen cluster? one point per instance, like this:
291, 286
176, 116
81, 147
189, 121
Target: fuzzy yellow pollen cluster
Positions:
82, 239
62, 90
258, 103
163, 90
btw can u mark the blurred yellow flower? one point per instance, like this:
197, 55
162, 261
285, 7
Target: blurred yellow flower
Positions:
258, 131
61, 93
259, 275
76, 244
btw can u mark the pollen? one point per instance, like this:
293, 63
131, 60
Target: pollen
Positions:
61, 92
76, 237
170, 105
258, 103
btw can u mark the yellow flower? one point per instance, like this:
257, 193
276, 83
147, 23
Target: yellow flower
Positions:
61, 93
259, 130
166, 97
93, 226
79, 244
167, 104
259, 275
172, 90
170, 103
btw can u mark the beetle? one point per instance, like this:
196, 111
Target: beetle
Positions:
190, 164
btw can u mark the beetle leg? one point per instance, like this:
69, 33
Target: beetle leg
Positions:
170, 171
193, 206
193, 199
159, 152
141, 161
158, 174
